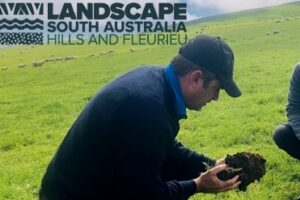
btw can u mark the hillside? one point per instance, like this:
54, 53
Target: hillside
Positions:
284, 10
38, 105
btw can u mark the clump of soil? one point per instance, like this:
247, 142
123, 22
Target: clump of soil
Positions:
248, 166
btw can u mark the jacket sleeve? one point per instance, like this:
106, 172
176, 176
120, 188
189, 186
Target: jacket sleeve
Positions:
185, 163
142, 150
293, 107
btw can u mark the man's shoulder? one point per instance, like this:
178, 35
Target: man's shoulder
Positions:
147, 71
144, 83
141, 92
144, 79
297, 69
147, 83
296, 74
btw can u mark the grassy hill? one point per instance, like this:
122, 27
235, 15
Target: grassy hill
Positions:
38, 105
282, 11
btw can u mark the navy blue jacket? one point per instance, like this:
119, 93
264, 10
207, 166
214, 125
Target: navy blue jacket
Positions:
122, 146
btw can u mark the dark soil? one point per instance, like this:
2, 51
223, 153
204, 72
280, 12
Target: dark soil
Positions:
248, 166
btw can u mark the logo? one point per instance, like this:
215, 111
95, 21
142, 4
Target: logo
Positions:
92, 23
20, 29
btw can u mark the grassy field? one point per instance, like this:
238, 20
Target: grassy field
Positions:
38, 105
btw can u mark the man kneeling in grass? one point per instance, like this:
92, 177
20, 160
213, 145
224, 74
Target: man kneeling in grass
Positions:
287, 136
123, 144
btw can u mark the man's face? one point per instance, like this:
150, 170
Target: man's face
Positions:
200, 94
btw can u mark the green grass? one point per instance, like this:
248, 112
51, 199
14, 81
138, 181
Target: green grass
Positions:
38, 105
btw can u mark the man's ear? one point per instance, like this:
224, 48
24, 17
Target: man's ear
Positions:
197, 76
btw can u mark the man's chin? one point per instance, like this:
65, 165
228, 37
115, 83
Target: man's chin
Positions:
196, 108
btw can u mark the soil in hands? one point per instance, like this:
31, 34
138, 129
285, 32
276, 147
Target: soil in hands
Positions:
249, 166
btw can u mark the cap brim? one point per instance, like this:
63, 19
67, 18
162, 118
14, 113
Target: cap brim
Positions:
231, 88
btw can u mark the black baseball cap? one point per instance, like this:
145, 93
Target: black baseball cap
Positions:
213, 54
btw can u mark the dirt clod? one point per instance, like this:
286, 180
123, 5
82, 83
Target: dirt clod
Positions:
248, 166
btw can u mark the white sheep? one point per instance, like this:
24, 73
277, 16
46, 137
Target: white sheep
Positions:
21, 65
71, 57
38, 63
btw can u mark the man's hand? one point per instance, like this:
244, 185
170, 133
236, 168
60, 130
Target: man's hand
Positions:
208, 182
220, 161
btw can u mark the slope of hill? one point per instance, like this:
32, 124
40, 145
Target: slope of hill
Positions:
38, 105
284, 10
